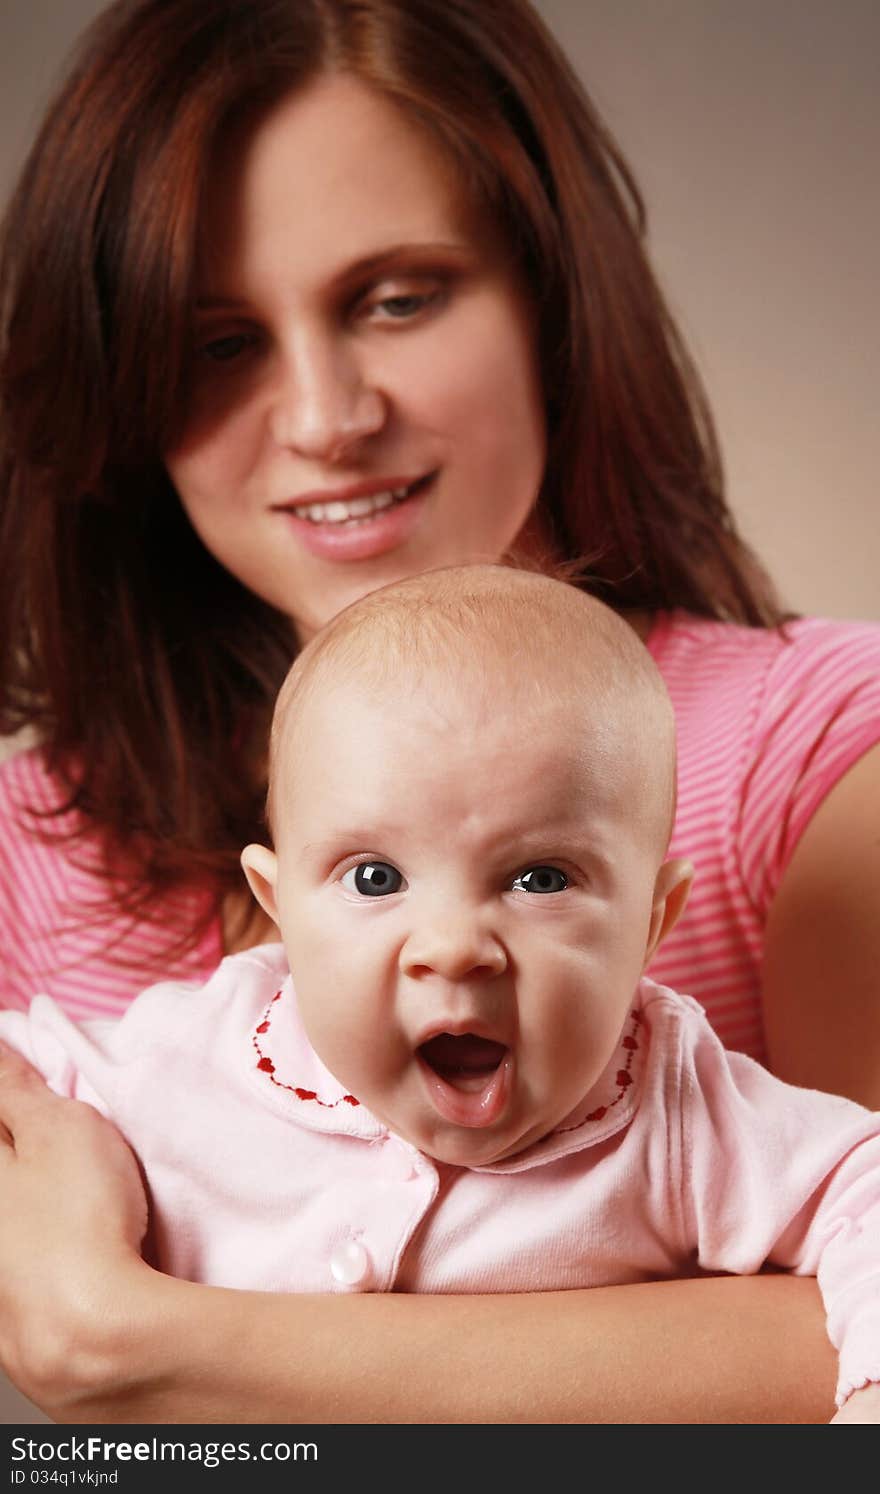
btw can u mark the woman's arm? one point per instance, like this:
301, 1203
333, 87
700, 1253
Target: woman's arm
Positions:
92, 1334
822, 950
720, 1350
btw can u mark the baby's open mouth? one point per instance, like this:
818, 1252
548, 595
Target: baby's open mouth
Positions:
466, 1062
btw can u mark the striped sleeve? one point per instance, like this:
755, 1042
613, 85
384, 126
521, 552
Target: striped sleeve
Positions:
62, 934
768, 722
819, 713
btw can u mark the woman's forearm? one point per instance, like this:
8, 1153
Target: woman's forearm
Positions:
92, 1334
720, 1350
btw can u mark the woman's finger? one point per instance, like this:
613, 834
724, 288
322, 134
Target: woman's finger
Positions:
16, 1074
15, 1069
25, 1097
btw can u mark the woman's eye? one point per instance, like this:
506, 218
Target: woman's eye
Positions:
373, 879
403, 307
226, 349
541, 879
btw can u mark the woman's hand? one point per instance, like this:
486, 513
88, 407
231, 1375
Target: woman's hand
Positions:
73, 1214
861, 1409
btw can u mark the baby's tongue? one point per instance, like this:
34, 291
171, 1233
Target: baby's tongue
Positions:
465, 1062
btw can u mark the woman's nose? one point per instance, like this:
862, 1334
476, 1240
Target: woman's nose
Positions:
323, 404
454, 947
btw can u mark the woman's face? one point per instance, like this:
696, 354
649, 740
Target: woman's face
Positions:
365, 403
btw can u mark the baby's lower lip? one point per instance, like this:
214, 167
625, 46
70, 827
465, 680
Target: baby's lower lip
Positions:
468, 1081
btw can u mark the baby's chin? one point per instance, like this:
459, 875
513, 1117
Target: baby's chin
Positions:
456, 1154
459, 1146
476, 1118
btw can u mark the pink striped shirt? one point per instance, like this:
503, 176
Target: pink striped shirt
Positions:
766, 726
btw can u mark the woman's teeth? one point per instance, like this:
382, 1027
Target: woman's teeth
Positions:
346, 511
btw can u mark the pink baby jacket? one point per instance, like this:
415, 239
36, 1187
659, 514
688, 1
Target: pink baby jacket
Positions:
265, 1173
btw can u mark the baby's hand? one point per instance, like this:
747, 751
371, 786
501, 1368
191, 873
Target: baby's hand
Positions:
862, 1407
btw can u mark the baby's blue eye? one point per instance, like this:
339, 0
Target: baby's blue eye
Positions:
541, 879
373, 879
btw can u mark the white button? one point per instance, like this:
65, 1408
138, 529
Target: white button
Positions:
405, 1169
400, 1163
350, 1264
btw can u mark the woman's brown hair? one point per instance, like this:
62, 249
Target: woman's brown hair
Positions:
147, 670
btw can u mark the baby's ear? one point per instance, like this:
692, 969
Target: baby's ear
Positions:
671, 890
261, 869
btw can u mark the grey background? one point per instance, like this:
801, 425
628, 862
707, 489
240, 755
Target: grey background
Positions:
753, 127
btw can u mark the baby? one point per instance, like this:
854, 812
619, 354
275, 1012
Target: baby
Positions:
457, 1078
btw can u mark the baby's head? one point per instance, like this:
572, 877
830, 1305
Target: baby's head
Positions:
472, 785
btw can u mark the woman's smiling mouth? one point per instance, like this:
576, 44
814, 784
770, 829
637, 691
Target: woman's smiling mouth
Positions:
348, 510
358, 522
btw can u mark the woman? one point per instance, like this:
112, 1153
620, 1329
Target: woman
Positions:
347, 292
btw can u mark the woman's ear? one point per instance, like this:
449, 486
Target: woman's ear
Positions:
261, 869
671, 890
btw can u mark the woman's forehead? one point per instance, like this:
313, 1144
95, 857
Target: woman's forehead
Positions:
337, 160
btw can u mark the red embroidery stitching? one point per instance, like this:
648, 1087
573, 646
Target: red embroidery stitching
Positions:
266, 1066
623, 1079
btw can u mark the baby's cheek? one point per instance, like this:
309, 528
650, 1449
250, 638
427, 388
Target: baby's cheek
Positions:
316, 970
583, 1034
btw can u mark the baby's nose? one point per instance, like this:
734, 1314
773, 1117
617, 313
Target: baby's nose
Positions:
454, 947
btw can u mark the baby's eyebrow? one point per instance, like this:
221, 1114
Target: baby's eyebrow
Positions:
352, 840
591, 852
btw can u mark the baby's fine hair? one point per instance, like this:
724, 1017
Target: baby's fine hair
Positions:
514, 631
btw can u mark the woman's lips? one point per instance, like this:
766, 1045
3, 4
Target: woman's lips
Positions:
467, 1078
340, 529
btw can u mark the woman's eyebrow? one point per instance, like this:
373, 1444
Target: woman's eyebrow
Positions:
368, 265
219, 303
